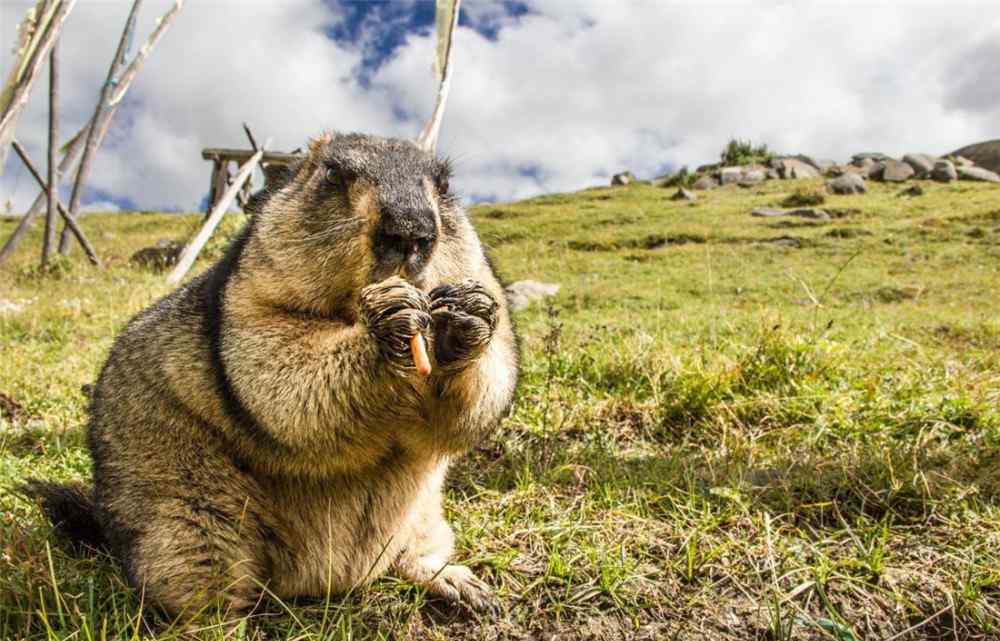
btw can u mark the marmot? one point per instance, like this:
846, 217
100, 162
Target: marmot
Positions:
264, 425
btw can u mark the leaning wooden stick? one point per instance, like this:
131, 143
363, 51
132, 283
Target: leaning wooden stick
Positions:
49, 238
103, 104
73, 227
192, 249
419, 349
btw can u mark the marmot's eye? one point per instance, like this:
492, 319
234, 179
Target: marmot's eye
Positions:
442, 184
334, 177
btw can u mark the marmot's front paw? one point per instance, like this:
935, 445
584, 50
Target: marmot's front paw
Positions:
394, 311
465, 315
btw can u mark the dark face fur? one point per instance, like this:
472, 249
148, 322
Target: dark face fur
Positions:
356, 210
407, 186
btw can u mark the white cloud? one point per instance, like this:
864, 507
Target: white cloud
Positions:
561, 98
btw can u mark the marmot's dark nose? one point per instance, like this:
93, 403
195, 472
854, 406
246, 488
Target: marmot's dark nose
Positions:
406, 236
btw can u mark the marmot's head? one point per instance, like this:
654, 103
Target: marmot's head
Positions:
356, 210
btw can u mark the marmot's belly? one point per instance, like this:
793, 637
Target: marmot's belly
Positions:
347, 532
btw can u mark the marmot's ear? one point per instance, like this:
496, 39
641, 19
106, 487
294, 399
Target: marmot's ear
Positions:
317, 144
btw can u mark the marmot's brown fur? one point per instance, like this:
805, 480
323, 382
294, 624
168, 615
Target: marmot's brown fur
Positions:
264, 425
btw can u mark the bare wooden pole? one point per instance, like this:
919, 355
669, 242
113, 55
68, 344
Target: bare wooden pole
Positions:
253, 142
192, 249
80, 236
53, 186
14, 97
92, 139
75, 144
447, 22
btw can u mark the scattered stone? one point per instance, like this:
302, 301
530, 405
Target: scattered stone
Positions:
158, 257
962, 161
801, 212
772, 174
848, 183
752, 177
810, 212
684, 194
914, 190
944, 171
622, 179
825, 165
730, 175
12, 306
875, 156
923, 164
969, 172
785, 241
523, 293
791, 168
705, 183
895, 171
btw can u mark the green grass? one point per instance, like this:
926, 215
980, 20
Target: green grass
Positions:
718, 436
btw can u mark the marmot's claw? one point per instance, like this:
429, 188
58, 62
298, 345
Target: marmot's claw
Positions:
394, 311
465, 316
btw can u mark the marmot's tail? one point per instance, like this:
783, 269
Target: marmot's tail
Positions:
71, 509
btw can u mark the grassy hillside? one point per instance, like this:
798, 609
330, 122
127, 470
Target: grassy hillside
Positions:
729, 427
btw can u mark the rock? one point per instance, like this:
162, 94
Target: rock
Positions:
730, 175
13, 306
914, 190
969, 172
857, 159
810, 212
523, 293
895, 171
158, 257
983, 154
705, 183
684, 194
847, 184
825, 165
801, 212
944, 171
767, 212
772, 174
622, 179
923, 164
962, 161
752, 177
791, 168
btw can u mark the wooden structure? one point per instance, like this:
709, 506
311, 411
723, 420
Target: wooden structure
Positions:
222, 161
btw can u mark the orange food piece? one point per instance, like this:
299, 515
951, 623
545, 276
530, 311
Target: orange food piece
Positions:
419, 349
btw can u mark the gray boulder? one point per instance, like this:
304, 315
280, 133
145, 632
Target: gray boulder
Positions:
968, 172
895, 171
962, 161
791, 168
523, 293
848, 183
944, 171
730, 175
923, 164
705, 183
874, 156
622, 179
684, 194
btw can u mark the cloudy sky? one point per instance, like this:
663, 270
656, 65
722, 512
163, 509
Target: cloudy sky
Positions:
548, 95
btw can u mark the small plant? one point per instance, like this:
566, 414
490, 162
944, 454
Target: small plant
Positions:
804, 198
743, 152
683, 177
